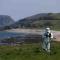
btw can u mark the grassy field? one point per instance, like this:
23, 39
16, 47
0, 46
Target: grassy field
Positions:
29, 52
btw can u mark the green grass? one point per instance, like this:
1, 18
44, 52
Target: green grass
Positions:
29, 52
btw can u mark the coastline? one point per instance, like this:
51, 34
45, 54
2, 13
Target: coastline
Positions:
32, 31
35, 31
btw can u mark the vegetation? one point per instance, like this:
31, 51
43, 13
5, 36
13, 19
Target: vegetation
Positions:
29, 52
9, 40
40, 21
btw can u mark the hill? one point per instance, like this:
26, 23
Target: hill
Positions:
39, 21
5, 20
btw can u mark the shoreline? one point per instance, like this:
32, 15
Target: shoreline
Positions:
34, 31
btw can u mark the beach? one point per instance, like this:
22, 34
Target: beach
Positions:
36, 31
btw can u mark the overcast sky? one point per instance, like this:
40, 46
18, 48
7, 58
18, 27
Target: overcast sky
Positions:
18, 9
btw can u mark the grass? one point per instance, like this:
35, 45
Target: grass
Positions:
29, 52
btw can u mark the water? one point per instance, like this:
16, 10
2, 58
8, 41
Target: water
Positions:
4, 34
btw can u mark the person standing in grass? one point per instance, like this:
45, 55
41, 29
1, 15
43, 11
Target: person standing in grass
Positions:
47, 37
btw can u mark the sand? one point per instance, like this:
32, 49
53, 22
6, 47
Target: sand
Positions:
36, 31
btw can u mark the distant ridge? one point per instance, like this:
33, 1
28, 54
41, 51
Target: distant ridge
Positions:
39, 21
5, 20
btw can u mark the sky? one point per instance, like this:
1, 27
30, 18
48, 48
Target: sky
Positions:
19, 9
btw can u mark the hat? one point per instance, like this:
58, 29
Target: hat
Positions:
47, 28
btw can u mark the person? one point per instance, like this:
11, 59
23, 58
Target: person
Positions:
47, 37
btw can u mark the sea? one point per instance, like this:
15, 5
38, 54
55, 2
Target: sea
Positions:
4, 34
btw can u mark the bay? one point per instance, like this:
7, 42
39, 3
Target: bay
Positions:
4, 34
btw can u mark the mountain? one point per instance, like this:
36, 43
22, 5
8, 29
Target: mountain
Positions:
5, 20
39, 21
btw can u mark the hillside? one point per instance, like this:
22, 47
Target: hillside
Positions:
5, 20
39, 21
